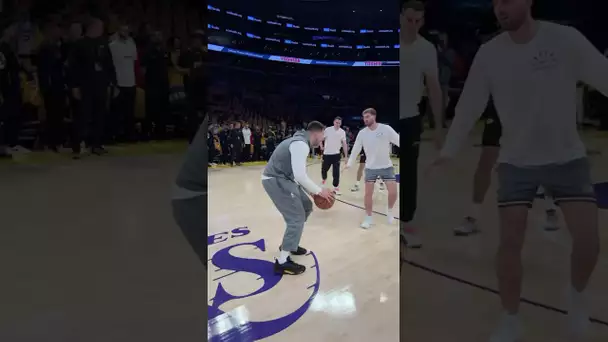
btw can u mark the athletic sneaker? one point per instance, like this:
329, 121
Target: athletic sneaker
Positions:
509, 329
323, 182
552, 223
289, 267
578, 315
337, 191
300, 251
468, 227
389, 216
355, 188
367, 222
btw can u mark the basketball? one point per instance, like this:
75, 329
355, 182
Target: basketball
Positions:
322, 203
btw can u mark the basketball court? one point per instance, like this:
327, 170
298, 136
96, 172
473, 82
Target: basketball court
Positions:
350, 290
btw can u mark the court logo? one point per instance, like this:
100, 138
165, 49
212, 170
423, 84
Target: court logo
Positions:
225, 323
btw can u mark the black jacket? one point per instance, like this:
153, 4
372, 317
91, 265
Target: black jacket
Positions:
51, 68
10, 85
91, 63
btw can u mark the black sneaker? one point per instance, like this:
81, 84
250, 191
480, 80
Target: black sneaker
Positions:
300, 251
99, 151
289, 267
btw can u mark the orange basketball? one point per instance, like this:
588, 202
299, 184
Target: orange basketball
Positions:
322, 203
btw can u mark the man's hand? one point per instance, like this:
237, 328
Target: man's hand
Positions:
326, 194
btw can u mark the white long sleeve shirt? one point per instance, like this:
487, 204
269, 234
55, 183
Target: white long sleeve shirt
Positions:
415, 61
299, 152
533, 86
377, 146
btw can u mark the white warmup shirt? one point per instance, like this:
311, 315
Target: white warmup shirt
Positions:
377, 146
416, 60
247, 136
124, 55
299, 151
333, 140
533, 86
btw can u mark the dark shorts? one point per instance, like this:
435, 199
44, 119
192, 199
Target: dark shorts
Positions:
568, 182
492, 130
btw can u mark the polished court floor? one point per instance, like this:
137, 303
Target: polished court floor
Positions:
349, 291
442, 295
89, 253
446, 291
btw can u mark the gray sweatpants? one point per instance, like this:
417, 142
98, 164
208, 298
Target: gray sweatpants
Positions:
295, 206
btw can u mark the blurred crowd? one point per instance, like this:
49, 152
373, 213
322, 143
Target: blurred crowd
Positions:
81, 77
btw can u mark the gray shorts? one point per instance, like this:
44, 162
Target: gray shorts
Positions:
387, 174
569, 182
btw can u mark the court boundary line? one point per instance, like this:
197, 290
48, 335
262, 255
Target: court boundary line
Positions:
478, 286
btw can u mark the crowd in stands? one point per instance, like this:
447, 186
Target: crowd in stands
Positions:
273, 99
84, 76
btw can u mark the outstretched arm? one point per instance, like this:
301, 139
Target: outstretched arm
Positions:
356, 150
471, 105
299, 154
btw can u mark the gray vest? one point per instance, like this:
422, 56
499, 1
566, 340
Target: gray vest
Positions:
279, 165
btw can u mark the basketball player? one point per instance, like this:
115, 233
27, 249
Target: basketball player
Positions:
376, 140
334, 138
531, 71
418, 61
283, 179
483, 175
190, 194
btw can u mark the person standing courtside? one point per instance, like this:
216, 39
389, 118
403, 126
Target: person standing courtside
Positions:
94, 77
124, 56
531, 71
235, 139
285, 181
418, 60
247, 142
78, 129
53, 84
334, 139
155, 65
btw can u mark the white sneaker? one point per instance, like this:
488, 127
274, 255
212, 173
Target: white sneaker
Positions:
389, 216
381, 185
578, 315
468, 227
509, 329
337, 191
355, 188
367, 222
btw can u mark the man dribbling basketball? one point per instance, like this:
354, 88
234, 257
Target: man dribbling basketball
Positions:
531, 71
376, 140
283, 179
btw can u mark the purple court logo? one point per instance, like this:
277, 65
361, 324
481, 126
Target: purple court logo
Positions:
226, 262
